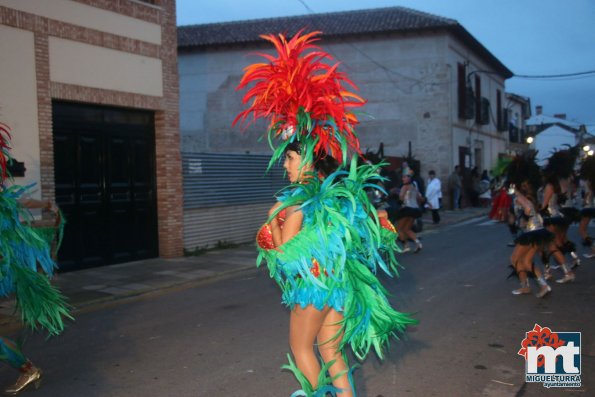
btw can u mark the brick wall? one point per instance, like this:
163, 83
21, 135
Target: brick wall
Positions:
168, 162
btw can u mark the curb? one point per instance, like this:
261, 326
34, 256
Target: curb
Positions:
13, 323
90, 305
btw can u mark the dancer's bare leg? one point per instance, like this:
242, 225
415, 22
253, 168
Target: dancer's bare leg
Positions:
304, 327
410, 233
329, 350
526, 259
518, 262
582, 227
528, 266
401, 230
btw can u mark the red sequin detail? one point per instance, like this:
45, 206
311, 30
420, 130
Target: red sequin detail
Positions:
264, 237
315, 269
281, 217
386, 224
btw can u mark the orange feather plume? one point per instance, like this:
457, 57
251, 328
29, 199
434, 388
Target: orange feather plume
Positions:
300, 93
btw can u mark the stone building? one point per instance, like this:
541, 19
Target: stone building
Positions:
90, 90
430, 85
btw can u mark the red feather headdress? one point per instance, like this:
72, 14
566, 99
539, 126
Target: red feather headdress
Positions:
303, 97
4, 148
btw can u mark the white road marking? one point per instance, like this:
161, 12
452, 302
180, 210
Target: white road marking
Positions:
470, 221
489, 223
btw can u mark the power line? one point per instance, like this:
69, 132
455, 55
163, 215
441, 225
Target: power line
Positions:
386, 69
554, 76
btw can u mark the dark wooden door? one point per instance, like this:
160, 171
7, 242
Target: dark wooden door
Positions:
104, 172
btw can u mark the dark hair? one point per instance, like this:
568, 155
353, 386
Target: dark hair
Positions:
323, 163
432, 172
326, 165
530, 192
294, 146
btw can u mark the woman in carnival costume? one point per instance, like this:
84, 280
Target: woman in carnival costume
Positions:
323, 240
409, 211
524, 177
558, 212
25, 265
587, 176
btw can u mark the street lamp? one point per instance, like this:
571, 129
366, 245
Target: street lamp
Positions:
529, 140
586, 148
590, 152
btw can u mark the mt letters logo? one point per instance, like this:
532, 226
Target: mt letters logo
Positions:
552, 358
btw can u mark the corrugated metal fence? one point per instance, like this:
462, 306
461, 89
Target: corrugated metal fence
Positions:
226, 197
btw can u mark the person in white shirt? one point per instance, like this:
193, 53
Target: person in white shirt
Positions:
433, 196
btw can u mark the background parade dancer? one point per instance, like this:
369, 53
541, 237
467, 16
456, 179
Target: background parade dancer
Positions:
324, 240
25, 265
524, 176
587, 176
556, 193
409, 211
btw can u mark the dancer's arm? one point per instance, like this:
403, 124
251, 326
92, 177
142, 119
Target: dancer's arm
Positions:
44, 204
274, 225
292, 225
548, 192
403, 191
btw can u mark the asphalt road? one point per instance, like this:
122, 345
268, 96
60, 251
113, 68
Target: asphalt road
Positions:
229, 338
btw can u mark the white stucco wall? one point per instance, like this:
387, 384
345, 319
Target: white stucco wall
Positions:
87, 65
18, 100
468, 133
551, 139
91, 17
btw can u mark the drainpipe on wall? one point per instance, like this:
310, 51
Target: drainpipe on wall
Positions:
452, 130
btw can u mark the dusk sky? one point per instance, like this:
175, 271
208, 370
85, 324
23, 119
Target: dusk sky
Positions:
530, 37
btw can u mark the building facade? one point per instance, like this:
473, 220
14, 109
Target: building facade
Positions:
517, 112
433, 90
552, 133
90, 90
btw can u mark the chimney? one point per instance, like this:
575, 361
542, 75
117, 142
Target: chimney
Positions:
560, 116
538, 110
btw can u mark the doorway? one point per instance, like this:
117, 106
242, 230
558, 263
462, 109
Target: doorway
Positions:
104, 168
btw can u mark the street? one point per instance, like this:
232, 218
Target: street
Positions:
229, 337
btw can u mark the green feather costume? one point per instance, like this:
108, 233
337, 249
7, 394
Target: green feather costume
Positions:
25, 260
333, 260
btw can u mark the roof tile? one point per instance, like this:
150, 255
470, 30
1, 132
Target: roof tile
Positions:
378, 20
334, 24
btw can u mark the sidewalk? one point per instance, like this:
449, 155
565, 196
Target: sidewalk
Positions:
450, 217
96, 287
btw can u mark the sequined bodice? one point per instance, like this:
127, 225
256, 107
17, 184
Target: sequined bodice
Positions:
264, 237
534, 221
410, 198
553, 206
